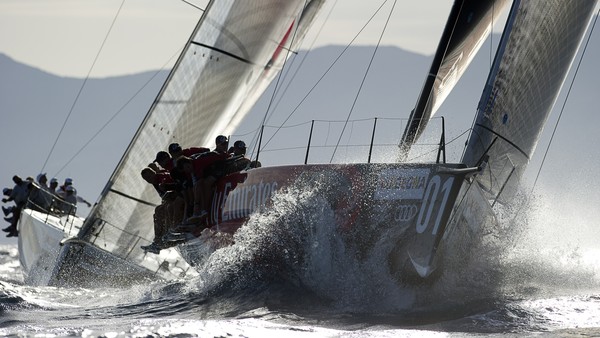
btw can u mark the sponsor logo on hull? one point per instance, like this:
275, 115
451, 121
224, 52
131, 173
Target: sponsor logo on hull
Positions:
401, 183
237, 203
405, 213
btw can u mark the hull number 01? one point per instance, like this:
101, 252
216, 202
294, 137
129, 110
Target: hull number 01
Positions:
429, 207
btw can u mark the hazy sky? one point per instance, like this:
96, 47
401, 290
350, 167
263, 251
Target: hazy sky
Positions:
64, 36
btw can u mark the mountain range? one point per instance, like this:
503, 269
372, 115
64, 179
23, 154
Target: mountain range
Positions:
35, 105
104, 114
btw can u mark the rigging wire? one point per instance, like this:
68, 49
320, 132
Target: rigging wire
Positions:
120, 110
279, 77
566, 99
304, 57
87, 77
268, 115
192, 5
418, 156
364, 79
327, 71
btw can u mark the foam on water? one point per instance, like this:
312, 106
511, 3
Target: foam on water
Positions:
296, 244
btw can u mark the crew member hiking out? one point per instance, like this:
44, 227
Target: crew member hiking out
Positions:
176, 151
202, 170
167, 214
19, 195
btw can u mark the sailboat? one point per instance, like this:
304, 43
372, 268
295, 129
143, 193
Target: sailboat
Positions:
420, 210
429, 207
234, 52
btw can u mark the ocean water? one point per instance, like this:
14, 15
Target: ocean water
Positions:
539, 281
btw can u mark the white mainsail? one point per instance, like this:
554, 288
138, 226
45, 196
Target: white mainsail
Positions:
234, 52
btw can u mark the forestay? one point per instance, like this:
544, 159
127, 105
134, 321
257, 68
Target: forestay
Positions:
536, 51
234, 52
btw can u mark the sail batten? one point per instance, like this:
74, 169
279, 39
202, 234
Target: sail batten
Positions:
241, 58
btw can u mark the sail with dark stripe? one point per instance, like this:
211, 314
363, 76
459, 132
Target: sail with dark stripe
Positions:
535, 54
235, 51
469, 24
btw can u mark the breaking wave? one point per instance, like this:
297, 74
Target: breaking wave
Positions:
292, 256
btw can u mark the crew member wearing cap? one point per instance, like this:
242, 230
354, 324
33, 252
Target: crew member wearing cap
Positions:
71, 199
164, 160
42, 181
53, 185
62, 192
40, 195
176, 151
239, 160
213, 172
6, 192
201, 171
